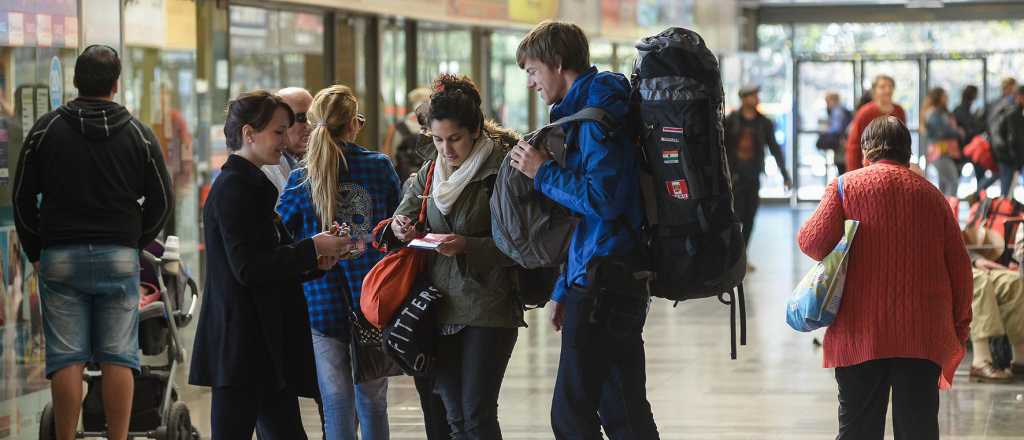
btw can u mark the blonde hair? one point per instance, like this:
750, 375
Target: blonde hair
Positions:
332, 116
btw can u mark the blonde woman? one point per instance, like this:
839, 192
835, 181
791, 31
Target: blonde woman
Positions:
341, 182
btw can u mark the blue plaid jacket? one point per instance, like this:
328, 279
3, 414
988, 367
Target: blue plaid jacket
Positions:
370, 192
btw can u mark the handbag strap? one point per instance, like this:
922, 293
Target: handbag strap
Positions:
842, 194
426, 193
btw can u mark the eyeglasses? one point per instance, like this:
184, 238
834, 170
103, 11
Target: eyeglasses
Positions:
300, 118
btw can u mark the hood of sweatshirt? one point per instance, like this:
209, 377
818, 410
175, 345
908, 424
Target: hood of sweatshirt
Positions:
95, 119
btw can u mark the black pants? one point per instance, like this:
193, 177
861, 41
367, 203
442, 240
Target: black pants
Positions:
237, 411
435, 420
470, 368
746, 199
602, 375
864, 396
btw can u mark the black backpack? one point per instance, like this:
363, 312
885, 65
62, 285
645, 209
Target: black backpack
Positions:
530, 228
695, 245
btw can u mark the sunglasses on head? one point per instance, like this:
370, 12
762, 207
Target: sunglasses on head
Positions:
300, 118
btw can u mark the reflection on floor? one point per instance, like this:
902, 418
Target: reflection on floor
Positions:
776, 390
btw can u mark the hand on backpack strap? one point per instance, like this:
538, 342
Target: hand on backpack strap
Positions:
528, 159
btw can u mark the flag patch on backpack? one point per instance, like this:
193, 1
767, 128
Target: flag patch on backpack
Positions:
670, 156
678, 189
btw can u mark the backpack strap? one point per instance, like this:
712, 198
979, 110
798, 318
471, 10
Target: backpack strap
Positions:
587, 114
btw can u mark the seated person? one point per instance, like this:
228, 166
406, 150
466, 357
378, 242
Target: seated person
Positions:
998, 311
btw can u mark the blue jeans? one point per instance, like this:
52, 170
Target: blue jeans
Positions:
90, 299
343, 399
602, 376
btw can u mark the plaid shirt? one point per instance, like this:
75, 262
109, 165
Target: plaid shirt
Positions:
369, 193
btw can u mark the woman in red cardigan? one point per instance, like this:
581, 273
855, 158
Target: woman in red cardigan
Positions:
906, 308
881, 105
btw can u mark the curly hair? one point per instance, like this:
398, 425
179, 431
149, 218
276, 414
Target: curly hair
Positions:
456, 98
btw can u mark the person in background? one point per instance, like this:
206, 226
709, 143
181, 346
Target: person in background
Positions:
341, 182
881, 105
296, 139
942, 136
972, 127
253, 344
601, 379
1007, 137
402, 139
998, 309
993, 108
747, 133
480, 315
834, 137
905, 336
82, 172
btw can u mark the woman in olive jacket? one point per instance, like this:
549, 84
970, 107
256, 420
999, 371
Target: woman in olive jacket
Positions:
253, 343
479, 314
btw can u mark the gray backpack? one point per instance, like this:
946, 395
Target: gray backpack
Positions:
529, 228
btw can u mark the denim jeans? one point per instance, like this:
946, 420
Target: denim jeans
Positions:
90, 298
343, 400
602, 376
470, 368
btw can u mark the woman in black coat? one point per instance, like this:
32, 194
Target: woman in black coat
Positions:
253, 343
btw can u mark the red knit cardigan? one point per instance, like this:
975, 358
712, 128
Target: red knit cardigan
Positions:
908, 284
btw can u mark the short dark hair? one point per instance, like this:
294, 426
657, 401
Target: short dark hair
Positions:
458, 99
97, 70
556, 44
886, 138
255, 109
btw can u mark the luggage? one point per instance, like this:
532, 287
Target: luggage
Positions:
979, 150
695, 240
990, 231
530, 228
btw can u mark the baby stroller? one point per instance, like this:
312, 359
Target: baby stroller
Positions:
156, 411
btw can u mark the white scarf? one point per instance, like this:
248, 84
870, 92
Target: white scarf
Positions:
448, 185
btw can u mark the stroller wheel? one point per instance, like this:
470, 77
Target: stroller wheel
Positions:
179, 424
47, 425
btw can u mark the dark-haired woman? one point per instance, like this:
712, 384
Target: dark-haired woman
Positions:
253, 344
479, 315
906, 308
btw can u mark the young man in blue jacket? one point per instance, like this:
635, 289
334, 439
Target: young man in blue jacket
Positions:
601, 373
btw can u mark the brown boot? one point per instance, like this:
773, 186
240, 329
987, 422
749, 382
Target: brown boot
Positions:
990, 374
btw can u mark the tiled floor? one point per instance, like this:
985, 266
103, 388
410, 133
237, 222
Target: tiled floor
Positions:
775, 390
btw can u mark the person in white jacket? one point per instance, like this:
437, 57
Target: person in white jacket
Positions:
296, 139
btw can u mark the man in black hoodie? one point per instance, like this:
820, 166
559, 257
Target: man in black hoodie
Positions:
105, 193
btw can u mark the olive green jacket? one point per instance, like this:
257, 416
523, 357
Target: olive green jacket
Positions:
478, 285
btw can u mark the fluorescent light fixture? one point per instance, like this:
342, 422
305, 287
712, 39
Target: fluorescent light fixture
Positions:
921, 4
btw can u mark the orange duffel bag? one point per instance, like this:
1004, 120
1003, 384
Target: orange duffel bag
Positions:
387, 285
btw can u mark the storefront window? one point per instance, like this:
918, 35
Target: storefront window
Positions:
392, 76
38, 47
601, 55
442, 50
272, 49
509, 95
159, 88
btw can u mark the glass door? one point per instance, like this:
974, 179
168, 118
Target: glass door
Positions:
815, 167
908, 94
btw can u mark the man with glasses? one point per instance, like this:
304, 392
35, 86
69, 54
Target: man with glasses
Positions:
91, 162
296, 138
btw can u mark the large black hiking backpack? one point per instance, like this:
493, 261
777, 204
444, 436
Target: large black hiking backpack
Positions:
530, 228
696, 244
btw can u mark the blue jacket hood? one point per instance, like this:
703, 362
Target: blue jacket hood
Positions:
608, 91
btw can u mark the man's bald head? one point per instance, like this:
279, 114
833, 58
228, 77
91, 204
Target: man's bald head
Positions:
297, 137
296, 97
